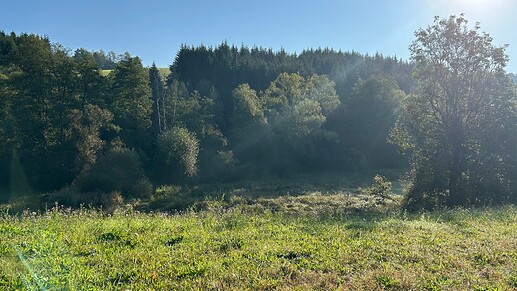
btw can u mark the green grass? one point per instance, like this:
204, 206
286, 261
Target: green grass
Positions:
334, 189
104, 73
301, 242
163, 71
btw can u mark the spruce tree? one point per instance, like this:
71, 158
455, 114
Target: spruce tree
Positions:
131, 101
157, 95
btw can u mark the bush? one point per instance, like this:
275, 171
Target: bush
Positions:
71, 196
380, 190
117, 170
172, 197
180, 146
417, 199
168, 191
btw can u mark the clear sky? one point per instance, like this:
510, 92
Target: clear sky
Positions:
154, 30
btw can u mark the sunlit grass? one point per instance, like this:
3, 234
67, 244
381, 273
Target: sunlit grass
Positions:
253, 247
163, 71
104, 73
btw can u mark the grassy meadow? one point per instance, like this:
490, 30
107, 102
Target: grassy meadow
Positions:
164, 72
304, 242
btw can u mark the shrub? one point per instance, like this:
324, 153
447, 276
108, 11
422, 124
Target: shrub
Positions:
180, 146
418, 199
172, 197
380, 188
71, 196
167, 190
117, 170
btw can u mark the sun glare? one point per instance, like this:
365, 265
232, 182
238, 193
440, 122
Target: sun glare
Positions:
473, 2
478, 6
483, 11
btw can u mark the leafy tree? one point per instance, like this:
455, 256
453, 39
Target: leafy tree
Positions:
92, 87
248, 106
297, 106
32, 90
296, 110
175, 92
57, 112
285, 91
41, 82
102, 60
223, 68
7, 131
196, 114
459, 127
250, 136
132, 104
7, 119
106, 61
322, 90
64, 97
366, 119
87, 125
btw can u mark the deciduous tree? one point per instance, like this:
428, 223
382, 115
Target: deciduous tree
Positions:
459, 126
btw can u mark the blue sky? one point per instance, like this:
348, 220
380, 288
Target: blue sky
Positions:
154, 30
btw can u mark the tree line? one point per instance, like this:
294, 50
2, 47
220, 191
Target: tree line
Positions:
228, 113
222, 113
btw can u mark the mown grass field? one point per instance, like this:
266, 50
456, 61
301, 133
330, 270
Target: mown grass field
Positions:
163, 71
306, 242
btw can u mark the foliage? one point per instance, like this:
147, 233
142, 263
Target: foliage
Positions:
38, 88
459, 127
58, 109
297, 110
87, 126
103, 60
228, 113
366, 119
297, 106
180, 146
158, 96
380, 188
131, 101
248, 107
119, 169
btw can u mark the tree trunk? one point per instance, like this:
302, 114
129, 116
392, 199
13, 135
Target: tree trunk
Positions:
457, 194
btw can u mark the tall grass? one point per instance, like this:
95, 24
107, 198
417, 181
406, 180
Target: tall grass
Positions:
276, 243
